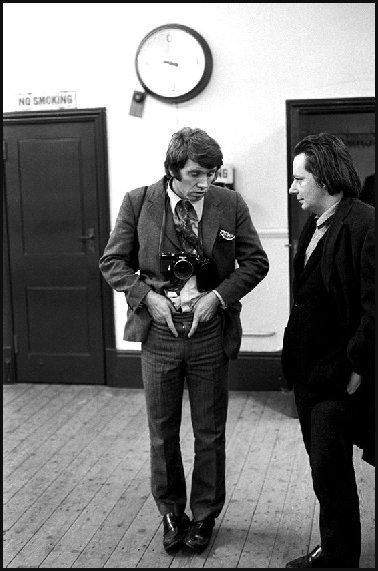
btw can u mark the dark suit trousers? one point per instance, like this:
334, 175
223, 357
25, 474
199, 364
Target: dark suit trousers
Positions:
326, 428
167, 362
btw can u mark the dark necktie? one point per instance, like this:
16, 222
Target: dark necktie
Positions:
316, 237
186, 216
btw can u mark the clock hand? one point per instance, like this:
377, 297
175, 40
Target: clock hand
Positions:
171, 63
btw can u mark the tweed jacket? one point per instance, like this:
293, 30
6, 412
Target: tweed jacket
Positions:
131, 259
347, 264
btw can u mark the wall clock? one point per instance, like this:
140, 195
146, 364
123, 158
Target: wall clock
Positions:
173, 63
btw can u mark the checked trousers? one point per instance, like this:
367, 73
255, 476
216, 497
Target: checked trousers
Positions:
167, 363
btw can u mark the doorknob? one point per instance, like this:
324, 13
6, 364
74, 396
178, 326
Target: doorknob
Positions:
89, 238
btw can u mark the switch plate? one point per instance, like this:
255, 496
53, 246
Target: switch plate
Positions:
137, 103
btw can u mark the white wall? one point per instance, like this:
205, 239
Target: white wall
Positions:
264, 54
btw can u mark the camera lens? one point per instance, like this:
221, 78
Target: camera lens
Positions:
183, 269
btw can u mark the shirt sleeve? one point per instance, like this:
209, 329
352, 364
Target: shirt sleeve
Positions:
220, 299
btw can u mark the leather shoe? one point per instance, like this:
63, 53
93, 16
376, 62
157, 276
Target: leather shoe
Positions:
199, 535
175, 528
313, 559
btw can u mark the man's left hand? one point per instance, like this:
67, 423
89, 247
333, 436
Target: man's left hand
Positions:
354, 383
204, 310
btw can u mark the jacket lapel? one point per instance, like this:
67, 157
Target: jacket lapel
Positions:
211, 216
304, 239
331, 238
313, 260
157, 205
170, 230
152, 213
329, 243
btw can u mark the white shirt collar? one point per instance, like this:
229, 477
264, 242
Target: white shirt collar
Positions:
174, 198
327, 214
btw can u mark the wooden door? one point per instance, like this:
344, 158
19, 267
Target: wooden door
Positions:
56, 200
351, 119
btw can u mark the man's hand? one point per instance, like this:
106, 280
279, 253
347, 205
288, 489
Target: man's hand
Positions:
161, 309
354, 383
204, 309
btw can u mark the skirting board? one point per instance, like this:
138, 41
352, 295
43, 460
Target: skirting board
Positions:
249, 372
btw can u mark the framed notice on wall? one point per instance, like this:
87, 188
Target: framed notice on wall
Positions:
42, 101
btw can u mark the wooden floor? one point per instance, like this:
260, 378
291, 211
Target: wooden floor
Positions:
77, 490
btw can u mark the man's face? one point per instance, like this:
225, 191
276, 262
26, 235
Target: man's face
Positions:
310, 195
195, 180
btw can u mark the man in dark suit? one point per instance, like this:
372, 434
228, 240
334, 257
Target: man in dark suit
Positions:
173, 252
328, 347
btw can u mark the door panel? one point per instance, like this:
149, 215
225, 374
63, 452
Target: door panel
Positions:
52, 197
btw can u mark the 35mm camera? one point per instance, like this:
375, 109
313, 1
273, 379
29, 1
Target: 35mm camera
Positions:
183, 265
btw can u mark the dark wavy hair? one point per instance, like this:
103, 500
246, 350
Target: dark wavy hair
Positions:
329, 161
194, 144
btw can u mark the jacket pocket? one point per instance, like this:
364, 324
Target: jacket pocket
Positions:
331, 374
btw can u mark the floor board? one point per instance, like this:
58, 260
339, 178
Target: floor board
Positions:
77, 483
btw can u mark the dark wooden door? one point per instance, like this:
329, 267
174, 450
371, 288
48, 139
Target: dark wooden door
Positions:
56, 189
351, 119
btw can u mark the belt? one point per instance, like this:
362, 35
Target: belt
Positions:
183, 323
183, 316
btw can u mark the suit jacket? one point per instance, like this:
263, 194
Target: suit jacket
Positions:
347, 266
131, 259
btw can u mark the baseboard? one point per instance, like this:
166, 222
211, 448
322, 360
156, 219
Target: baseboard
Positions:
256, 372
250, 372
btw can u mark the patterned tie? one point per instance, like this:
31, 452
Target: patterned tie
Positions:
186, 215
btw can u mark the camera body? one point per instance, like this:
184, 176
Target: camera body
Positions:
183, 265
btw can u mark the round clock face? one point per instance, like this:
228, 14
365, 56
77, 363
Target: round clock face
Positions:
173, 63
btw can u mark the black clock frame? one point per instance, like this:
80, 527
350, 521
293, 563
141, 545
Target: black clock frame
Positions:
197, 89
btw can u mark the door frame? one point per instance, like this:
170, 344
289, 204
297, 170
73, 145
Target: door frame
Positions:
294, 109
98, 117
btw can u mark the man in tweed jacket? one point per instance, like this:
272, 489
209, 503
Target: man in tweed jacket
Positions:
188, 331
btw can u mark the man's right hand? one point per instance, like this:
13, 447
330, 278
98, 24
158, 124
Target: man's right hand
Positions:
161, 309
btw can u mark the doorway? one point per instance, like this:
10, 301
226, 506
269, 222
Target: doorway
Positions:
56, 224
351, 119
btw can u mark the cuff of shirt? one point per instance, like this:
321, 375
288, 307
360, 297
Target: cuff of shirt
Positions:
220, 298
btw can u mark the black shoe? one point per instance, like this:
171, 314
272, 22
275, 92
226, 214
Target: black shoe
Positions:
199, 535
175, 528
313, 559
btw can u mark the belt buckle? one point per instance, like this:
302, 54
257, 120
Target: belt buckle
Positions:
183, 328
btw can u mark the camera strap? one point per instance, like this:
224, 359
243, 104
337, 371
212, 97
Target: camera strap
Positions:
134, 261
200, 240
163, 224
